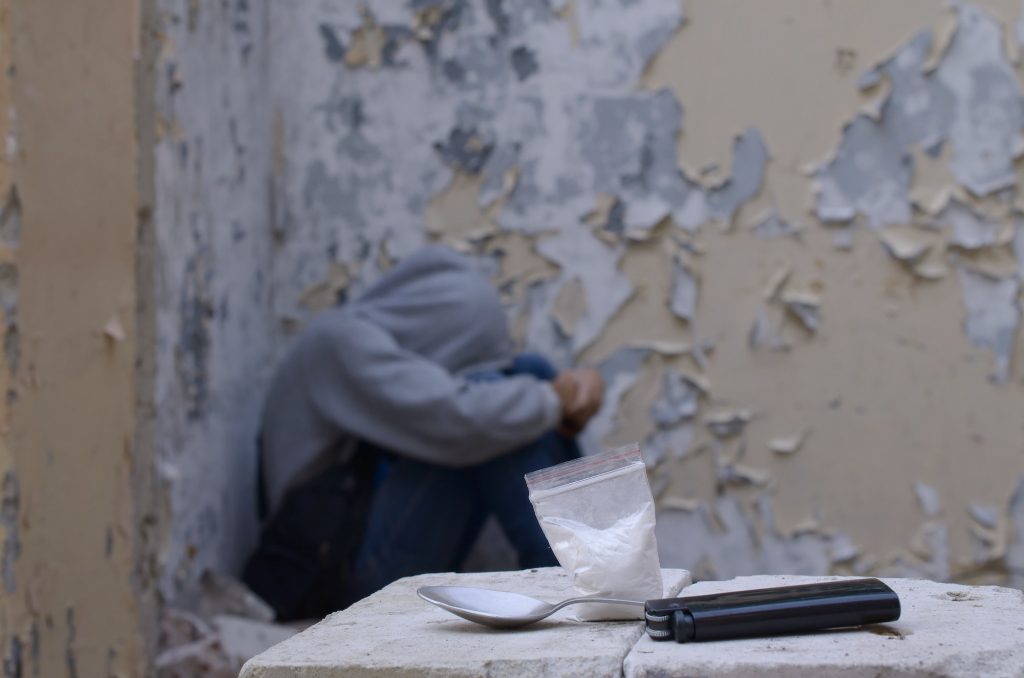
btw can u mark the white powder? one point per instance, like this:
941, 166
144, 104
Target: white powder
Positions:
600, 525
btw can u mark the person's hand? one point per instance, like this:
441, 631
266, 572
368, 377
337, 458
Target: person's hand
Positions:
567, 390
588, 394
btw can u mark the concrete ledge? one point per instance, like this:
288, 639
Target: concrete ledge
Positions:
394, 633
945, 630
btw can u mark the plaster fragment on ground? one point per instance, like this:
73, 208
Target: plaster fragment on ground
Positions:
805, 307
215, 648
927, 499
787, 445
242, 639
992, 316
224, 595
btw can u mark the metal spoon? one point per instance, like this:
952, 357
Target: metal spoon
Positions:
500, 609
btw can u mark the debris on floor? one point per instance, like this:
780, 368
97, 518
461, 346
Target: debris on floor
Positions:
231, 626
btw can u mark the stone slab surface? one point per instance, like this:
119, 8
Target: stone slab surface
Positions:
944, 630
394, 633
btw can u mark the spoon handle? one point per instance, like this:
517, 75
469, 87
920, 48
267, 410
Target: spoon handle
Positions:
589, 599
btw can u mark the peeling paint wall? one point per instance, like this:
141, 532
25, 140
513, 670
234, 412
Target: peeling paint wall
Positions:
789, 234
213, 242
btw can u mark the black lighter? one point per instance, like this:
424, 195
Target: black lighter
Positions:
770, 612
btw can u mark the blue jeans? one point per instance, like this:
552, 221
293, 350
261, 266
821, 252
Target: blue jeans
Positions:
355, 529
425, 518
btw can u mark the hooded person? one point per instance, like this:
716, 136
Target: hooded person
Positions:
393, 427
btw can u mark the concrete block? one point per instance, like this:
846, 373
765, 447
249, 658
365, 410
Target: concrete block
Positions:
945, 630
394, 633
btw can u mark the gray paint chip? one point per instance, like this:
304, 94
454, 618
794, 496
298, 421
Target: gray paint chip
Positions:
805, 307
1015, 544
683, 301
727, 423
970, 230
771, 225
678, 400
992, 316
928, 499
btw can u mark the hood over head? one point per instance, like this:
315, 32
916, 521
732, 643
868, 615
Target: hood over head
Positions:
437, 304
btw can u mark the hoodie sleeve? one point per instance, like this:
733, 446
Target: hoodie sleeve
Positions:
358, 379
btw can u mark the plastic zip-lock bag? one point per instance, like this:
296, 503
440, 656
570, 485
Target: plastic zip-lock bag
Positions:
598, 516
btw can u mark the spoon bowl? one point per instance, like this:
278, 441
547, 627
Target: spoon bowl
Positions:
500, 609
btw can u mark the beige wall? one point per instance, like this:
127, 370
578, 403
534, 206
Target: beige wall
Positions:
75, 602
915, 403
8, 532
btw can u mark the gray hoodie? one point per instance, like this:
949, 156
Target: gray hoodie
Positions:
389, 369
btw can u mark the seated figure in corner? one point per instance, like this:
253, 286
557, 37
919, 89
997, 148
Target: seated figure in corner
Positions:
394, 426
